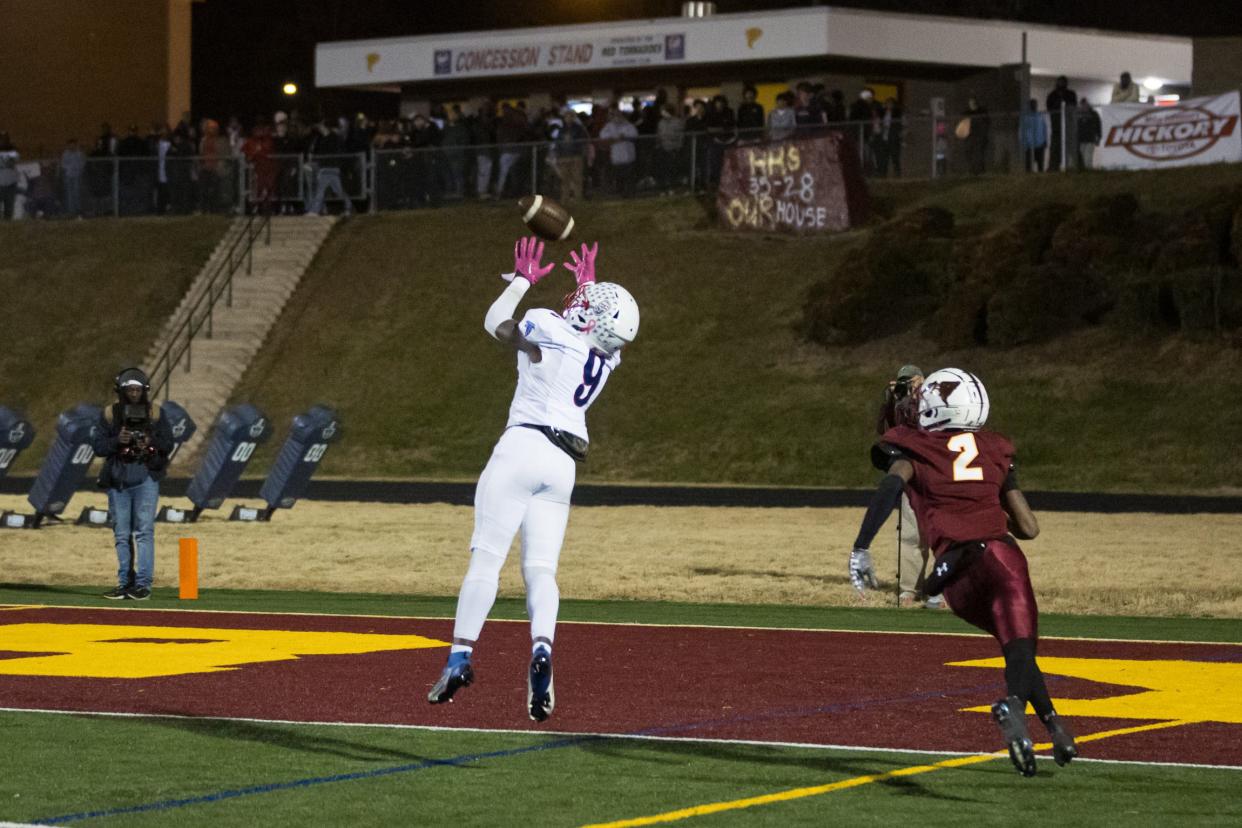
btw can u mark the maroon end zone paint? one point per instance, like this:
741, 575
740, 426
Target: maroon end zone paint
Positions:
846, 688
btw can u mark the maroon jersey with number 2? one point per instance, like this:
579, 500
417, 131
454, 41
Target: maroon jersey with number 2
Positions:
956, 488
956, 494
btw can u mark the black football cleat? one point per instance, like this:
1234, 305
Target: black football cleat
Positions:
540, 693
454, 677
1064, 750
1010, 715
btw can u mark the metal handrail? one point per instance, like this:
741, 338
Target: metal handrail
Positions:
219, 283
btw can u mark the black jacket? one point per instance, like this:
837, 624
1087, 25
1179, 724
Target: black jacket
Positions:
105, 442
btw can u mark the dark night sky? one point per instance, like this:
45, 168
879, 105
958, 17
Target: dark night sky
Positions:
245, 49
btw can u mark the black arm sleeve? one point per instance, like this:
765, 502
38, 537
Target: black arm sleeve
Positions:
1011, 479
884, 455
885, 499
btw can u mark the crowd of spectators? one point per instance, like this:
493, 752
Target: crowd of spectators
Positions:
289, 163
1072, 129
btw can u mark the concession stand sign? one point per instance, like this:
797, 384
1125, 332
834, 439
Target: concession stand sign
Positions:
804, 185
557, 49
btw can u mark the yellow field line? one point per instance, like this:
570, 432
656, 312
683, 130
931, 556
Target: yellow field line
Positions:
855, 782
21, 607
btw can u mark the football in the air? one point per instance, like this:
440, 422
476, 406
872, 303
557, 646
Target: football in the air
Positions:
545, 218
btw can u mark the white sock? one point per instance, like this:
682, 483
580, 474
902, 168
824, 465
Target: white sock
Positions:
543, 603
461, 648
478, 593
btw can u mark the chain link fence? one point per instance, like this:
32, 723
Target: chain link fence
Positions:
407, 177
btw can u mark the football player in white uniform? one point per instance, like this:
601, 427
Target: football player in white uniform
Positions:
563, 361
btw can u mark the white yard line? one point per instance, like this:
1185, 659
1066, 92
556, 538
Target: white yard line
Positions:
627, 624
587, 735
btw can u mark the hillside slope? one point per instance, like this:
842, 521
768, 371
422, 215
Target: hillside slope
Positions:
84, 299
720, 387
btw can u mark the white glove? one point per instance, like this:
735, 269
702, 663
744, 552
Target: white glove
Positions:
862, 573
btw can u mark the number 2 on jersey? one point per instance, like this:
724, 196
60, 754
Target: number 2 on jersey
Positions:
592, 373
967, 450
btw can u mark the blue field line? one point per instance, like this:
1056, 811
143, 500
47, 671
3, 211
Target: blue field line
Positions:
840, 707
168, 804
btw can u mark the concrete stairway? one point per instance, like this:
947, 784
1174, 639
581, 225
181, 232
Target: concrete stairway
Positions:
217, 363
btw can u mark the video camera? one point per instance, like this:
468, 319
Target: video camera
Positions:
137, 419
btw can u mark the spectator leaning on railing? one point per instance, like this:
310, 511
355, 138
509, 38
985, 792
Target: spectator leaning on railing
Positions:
721, 133
620, 135
511, 129
483, 139
1088, 129
72, 165
1033, 135
454, 138
892, 130
571, 146
1126, 90
782, 120
807, 111
8, 175
323, 153
671, 139
750, 116
860, 127
1061, 97
977, 137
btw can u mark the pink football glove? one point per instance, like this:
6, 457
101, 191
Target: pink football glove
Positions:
583, 267
527, 253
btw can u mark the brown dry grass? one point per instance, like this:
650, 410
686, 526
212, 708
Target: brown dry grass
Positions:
1083, 563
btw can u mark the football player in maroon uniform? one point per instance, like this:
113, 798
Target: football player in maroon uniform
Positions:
962, 484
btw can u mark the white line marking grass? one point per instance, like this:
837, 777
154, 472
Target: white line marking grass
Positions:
597, 735
627, 624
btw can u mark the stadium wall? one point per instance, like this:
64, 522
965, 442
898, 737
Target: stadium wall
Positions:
70, 65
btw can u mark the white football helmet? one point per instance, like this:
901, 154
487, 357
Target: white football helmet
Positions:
953, 399
605, 313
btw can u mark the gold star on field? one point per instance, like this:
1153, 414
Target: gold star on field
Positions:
1168, 690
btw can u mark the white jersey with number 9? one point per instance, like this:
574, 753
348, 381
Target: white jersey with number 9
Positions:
557, 390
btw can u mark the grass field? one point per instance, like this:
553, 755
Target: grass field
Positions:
152, 772
155, 769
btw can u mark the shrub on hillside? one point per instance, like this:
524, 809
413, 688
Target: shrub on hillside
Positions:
1047, 300
889, 284
1051, 270
1206, 299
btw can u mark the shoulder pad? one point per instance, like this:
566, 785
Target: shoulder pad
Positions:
884, 455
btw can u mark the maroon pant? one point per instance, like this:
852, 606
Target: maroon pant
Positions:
994, 593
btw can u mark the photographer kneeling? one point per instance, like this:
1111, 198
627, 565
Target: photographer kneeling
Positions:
134, 442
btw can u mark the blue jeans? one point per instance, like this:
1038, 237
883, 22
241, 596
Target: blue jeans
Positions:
133, 510
73, 195
327, 178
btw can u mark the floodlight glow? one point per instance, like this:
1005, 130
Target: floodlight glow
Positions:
1152, 84
292, 88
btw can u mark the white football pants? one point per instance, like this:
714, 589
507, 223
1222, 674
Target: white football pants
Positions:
526, 485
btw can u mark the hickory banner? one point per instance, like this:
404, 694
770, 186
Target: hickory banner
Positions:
1195, 131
